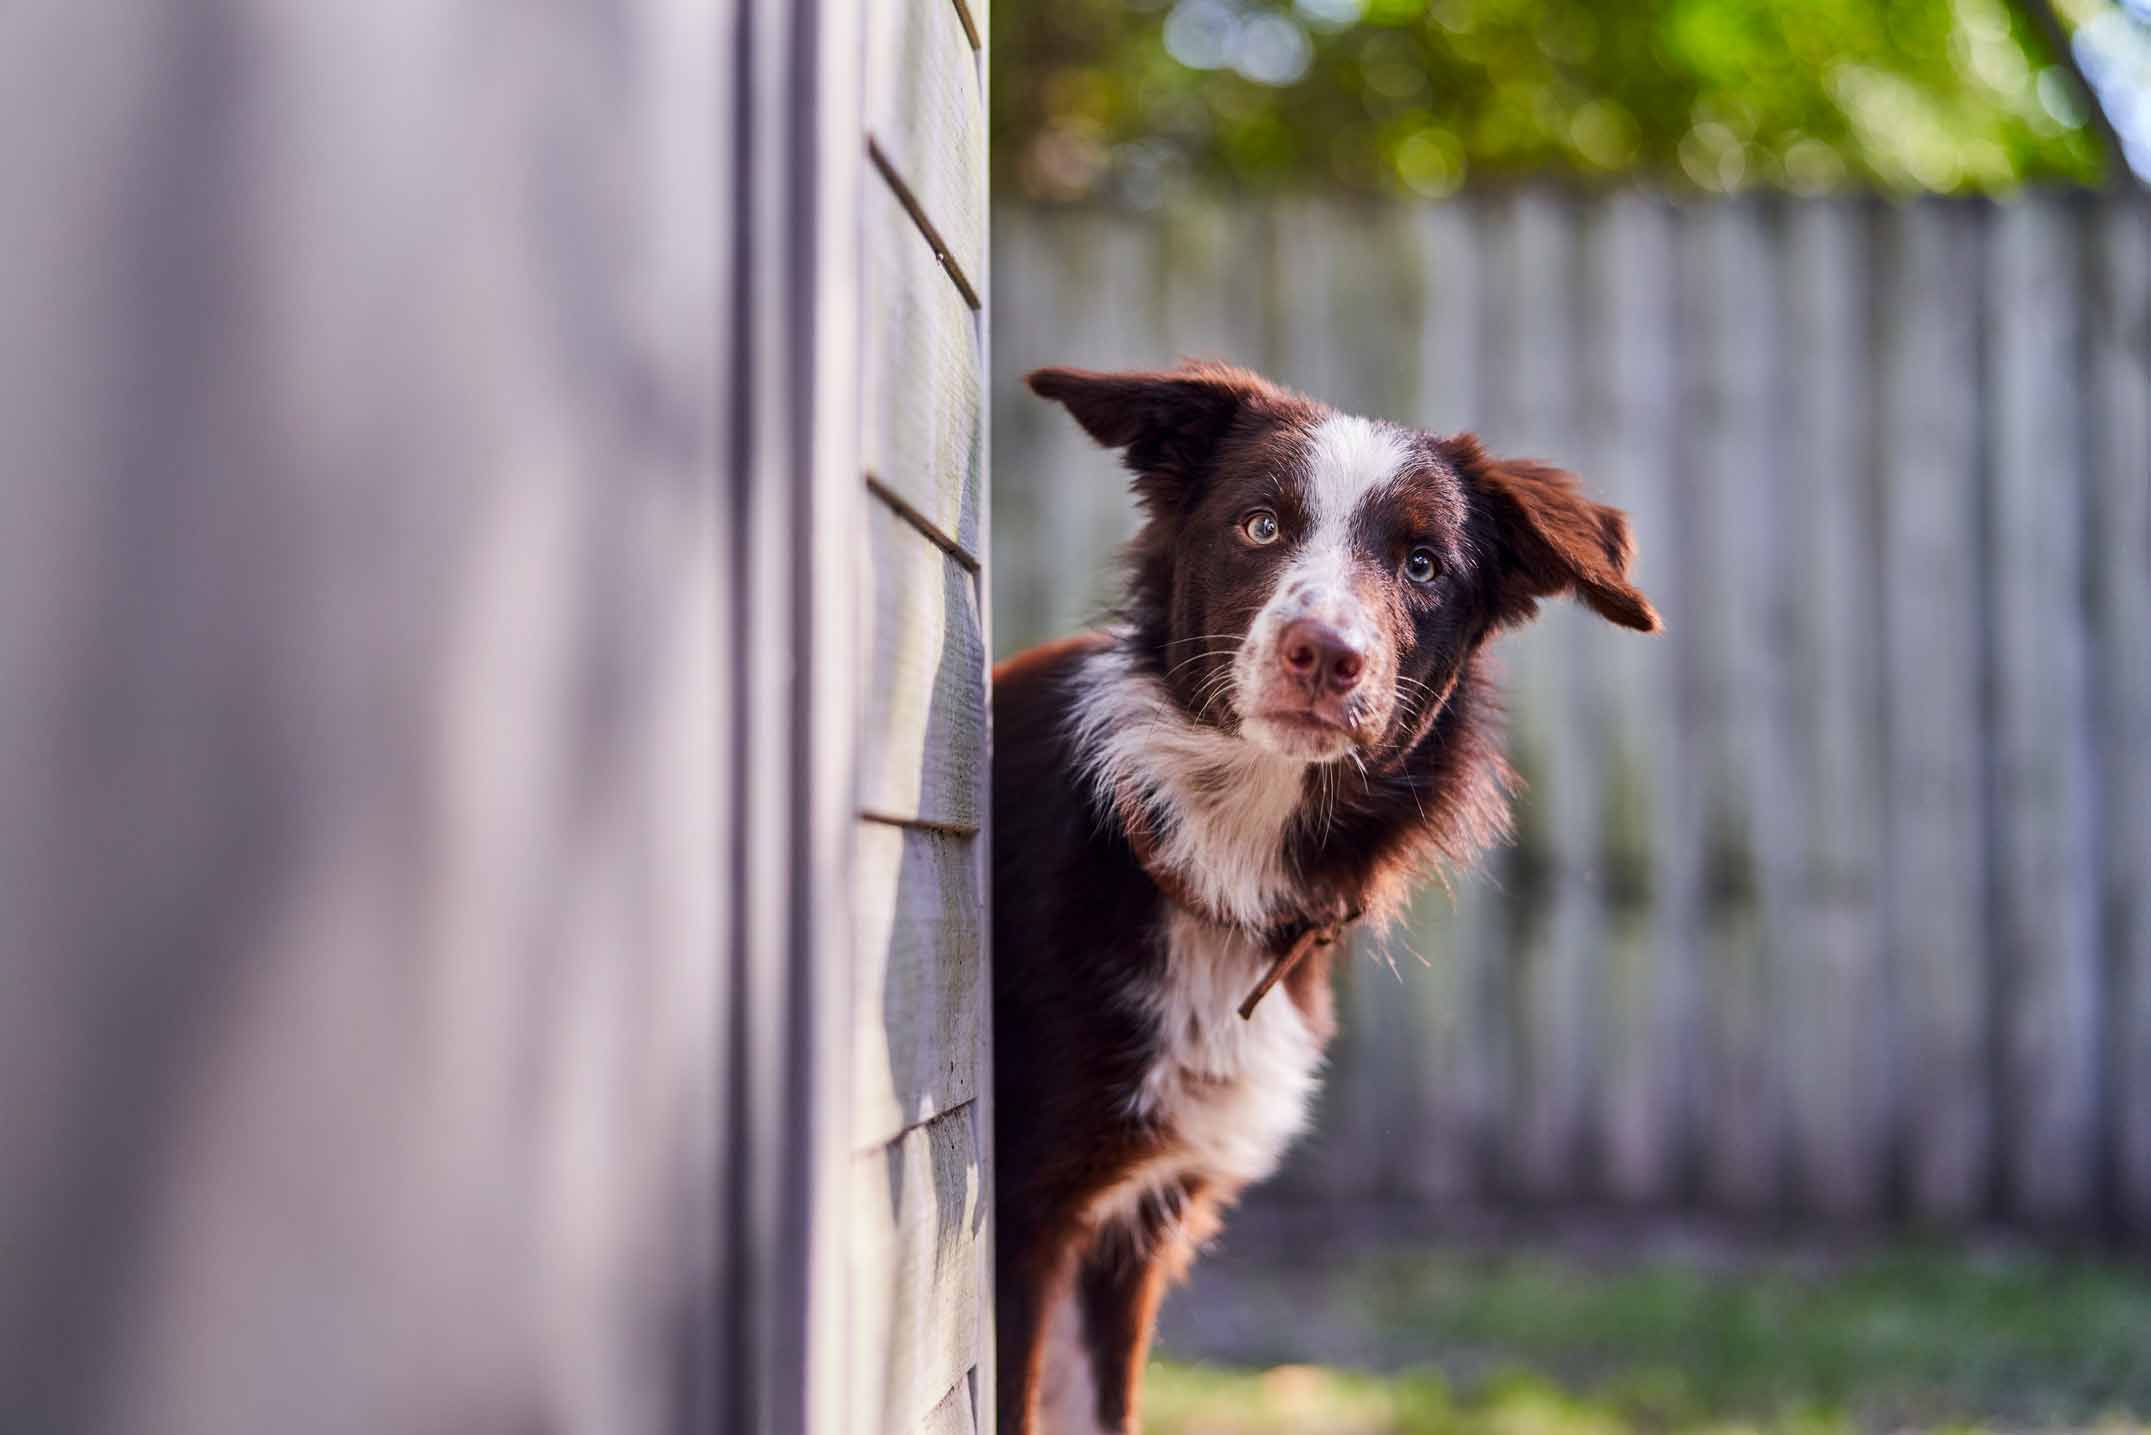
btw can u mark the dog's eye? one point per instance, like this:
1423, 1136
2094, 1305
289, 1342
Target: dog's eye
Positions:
1419, 565
1261, 527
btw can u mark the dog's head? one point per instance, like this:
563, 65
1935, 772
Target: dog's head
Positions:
1316, 581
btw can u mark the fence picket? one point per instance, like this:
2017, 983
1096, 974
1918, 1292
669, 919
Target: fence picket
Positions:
1838, 1099
1735, 518
2045, 952
1627, 456
1934, 859
2120, 359
1455, 1055
1554, 918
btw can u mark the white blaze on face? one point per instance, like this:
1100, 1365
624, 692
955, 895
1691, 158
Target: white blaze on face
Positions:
1349, 460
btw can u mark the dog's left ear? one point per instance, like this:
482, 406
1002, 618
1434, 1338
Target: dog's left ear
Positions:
1167, 423
1554, 540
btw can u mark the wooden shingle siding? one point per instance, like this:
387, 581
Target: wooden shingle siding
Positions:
921, 988
920, 1238
925, 681
952, 1416
926, 120
925, 423
919, 1233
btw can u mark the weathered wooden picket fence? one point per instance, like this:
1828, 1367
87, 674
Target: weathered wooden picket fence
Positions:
1836, 899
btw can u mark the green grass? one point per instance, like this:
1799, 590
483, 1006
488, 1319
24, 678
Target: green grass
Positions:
1533, 1345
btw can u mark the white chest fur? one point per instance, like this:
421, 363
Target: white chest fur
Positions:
1220, 805
1227, 1094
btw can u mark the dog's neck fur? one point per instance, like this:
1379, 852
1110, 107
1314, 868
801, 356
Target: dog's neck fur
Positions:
1217, 806
1252, 838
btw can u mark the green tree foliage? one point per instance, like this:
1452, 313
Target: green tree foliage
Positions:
1132, 99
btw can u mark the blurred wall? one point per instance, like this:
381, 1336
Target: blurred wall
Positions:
1836, 898
375, 1039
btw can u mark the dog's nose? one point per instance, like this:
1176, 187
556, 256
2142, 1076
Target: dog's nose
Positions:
1320, 656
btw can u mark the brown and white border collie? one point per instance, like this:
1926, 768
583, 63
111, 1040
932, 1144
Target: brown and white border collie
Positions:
1287, 724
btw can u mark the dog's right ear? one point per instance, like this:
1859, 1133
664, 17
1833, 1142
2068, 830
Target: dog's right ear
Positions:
1167, 424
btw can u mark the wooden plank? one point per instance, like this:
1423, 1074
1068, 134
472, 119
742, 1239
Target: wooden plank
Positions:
1064, 502
1349, 270
1679, 850
1306, 352
829, 524
1832, 979
920, 996
1742, 779
1772, 670
925, 116
1441, 1138
919, 1240
1087, 282
2119, 354
1362, 1109
972, 15
1575, 647
922, 738
1517, 872
980, 1381
1024, 427
403, 1038
954, 1415
710, 1398
1207, 252
1556, 918
2045, 950
1652, 861
1448, 1060
796, 484
1450, 396
923, 388
1929, 313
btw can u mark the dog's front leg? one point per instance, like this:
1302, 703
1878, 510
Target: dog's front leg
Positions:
1033, 1263
1117, 1291
1119, 1286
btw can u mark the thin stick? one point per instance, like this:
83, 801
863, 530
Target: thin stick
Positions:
1281, 968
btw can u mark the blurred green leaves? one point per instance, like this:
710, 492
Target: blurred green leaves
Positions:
1132, 100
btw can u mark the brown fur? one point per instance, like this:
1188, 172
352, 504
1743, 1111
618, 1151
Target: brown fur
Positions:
1079, 920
